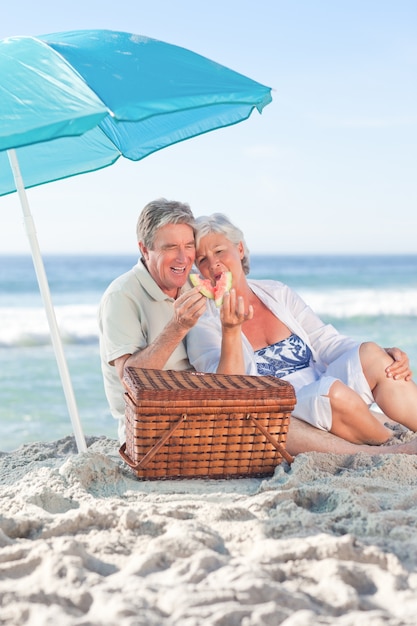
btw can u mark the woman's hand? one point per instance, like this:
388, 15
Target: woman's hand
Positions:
400, 369
233, 311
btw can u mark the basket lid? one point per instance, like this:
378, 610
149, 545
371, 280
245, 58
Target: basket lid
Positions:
173, 385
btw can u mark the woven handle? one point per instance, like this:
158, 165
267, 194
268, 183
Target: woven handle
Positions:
154, 450
287, 456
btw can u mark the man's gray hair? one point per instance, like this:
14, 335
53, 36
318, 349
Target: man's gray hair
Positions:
220, 223
159, 213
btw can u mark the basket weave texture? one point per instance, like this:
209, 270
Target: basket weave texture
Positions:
191, 425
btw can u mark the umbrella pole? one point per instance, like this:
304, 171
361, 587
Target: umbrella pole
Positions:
47, 300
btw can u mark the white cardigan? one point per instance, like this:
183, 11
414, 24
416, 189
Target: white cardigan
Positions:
203, 341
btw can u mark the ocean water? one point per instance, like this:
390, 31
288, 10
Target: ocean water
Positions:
367, 297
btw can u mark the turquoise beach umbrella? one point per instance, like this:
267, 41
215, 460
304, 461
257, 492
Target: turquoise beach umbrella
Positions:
74, 102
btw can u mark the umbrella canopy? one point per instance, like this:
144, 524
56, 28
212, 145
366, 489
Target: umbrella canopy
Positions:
93, 96
74, 102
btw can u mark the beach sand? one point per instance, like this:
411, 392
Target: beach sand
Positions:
330, 540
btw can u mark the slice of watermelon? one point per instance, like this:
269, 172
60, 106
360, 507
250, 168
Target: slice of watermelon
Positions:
204, 285
223, 285
216, 292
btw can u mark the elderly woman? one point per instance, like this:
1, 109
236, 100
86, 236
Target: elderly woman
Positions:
264, 327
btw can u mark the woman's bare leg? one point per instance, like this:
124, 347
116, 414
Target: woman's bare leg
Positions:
396, 398
352, 419
303, 437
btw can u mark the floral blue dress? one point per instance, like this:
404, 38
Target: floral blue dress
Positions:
283, 358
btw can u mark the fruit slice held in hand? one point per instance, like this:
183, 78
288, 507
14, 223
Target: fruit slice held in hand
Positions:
216, 292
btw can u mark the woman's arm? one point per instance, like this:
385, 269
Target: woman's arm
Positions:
210, 349
232, 316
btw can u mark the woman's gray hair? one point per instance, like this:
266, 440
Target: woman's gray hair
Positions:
159, 213
220, 223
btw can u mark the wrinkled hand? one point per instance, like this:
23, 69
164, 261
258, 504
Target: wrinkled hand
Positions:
400, 369
233, 310
189, 307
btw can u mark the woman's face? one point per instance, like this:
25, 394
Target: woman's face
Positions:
216, 254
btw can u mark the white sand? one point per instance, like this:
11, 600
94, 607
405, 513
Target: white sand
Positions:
333, 540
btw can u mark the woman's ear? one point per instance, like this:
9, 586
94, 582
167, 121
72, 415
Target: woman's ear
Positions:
241, 250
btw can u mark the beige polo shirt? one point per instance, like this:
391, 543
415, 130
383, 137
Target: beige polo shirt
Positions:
132, 313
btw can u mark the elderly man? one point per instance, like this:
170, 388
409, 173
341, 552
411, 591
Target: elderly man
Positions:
145, 314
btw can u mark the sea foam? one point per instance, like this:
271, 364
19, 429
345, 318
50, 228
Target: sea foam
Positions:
26, 326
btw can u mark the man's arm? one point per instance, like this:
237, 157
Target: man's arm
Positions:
187, 310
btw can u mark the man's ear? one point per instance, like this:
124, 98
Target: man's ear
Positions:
143, 249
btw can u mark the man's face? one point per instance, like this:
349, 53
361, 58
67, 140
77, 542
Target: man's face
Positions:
171, 259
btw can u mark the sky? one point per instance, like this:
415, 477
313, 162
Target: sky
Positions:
328, 167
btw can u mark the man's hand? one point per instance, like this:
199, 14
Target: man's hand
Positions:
189, 307
400, 369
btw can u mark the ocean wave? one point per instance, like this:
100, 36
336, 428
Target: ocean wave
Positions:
28, 326
353, 303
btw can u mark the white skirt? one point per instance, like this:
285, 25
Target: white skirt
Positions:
312, 388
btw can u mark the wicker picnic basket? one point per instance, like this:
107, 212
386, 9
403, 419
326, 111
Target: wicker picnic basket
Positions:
191, 425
